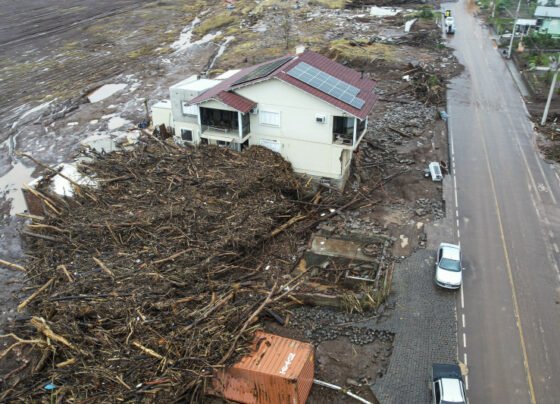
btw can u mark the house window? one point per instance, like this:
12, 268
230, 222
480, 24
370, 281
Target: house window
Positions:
186, 135
270, 118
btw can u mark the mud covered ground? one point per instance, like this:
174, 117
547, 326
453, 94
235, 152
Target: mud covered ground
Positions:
54, 57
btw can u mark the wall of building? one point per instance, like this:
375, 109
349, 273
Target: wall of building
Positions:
301, 140
551, 26
162, 115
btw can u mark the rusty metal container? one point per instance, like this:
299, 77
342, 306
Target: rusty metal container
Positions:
279, 370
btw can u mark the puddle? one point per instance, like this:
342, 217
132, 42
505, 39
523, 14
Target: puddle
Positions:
11, 183
105, 92
184, 40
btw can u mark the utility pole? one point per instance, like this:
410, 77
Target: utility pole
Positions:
513, 31
555, 65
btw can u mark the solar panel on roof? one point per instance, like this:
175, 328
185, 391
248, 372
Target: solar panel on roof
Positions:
328, 84
263, 71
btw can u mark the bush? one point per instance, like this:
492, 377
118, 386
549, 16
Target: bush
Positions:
542, 41
426, 13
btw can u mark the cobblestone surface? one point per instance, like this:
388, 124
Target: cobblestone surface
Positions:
424, 320
424, 324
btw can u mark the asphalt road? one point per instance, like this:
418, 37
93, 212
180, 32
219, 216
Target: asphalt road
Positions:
508, 222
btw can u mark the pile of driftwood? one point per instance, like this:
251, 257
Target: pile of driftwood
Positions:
146, 284
428, 87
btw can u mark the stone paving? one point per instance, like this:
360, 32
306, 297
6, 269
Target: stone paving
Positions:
423, 321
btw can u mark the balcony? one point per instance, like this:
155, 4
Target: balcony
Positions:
348, 131
224, 125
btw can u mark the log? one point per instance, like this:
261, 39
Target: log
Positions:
12, 265
23, 304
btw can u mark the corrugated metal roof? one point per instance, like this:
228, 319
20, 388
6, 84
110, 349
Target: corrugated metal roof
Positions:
227, 84
552, 12
236, 101
316, 60
339, 71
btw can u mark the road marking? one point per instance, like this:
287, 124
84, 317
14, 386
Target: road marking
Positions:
531, 178
550, 233
555, 246
464, 341
463, 319
457, 213
462, 299
457, 223
459, 237
510, 274
549, 189
453, 149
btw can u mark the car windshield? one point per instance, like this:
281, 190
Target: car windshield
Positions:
450, 265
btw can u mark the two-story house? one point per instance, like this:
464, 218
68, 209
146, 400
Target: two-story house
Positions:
310, 109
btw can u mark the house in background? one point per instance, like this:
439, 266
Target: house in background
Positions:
548, 20
310, 109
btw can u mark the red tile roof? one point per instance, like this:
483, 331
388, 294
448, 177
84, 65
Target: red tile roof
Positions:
224, 90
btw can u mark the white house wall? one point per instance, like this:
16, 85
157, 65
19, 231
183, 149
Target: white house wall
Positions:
192, 125
307, 144
162, 116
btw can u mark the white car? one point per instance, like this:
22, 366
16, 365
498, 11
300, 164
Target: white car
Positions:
449, 272
447, 384
449, 25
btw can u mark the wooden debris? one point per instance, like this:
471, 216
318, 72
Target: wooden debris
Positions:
164, 272
24, 304
12, 265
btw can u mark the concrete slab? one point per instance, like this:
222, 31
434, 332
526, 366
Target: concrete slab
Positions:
333, 247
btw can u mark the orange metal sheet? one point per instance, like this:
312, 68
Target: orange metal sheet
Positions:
279, 370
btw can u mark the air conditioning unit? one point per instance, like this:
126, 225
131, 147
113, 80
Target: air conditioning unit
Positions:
320, 119
254, 111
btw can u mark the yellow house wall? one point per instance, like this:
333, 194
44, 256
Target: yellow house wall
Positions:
304, 142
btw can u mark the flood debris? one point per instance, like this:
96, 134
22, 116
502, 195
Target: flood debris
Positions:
148, 282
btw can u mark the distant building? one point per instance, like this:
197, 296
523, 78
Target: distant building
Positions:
548, 20
310, 109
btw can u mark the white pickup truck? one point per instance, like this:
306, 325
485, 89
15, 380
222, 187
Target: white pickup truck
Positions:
449, 25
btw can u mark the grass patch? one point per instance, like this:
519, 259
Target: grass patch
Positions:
359, 53
213, 23
247, 53
328, 3
141, 52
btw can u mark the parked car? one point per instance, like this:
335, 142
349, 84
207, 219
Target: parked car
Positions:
448, 266
447, 384
449, 25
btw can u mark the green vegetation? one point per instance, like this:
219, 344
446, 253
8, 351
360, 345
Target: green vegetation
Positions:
541, 41
426, 13
328, 3
360, 52
213, 23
